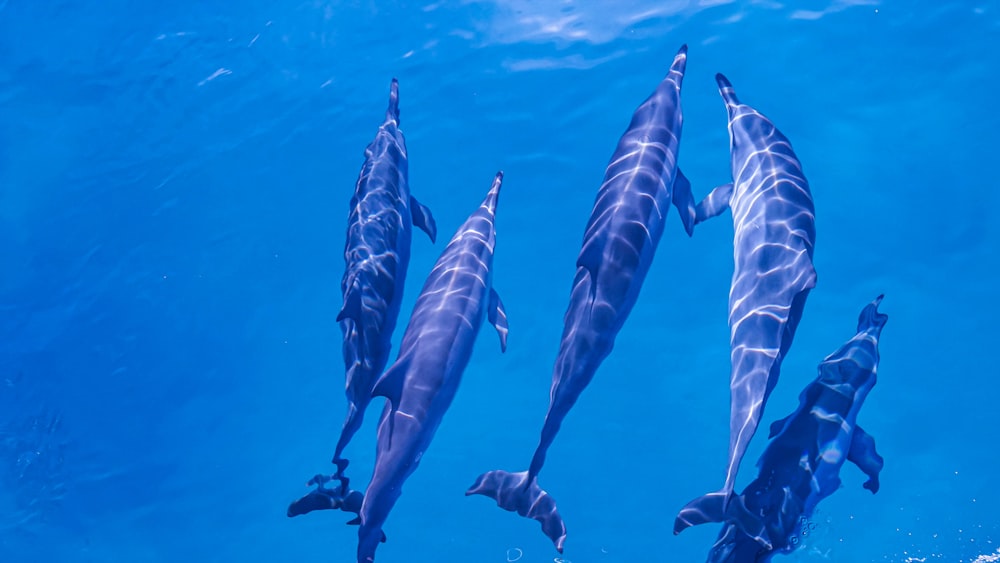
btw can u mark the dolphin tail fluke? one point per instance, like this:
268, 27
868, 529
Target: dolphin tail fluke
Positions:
513, 492
722, 506
323, 498
727, 91
684, 201
702, 510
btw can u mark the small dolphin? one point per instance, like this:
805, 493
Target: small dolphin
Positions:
801, 464
773, 219
376, 254
436, 347
625, 226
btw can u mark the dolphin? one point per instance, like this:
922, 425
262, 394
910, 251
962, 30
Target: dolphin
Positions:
801, 464
774, 224
640, 183
376, 255
435, 350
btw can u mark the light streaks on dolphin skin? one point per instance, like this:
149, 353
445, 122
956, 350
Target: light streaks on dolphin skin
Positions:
437, 344
376, 256
802, 462
625, 226
774, 236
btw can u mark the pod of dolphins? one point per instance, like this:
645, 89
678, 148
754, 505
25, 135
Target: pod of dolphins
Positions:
774, 237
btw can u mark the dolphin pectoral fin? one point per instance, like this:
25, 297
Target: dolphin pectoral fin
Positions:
714, 203
863, 454
777, 426
498, 318
352, 303
422, 218
684, 201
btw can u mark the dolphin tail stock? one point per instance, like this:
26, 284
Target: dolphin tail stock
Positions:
514, 492
352, 422
722, 506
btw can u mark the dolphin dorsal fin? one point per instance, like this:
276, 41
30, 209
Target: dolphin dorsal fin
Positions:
352, 303
390, 384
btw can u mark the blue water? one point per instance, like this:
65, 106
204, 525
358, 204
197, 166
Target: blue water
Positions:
174, 186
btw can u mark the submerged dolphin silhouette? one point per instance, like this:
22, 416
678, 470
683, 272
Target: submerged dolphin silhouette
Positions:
773, 220
376, 255
436, 347
801, 464
640, 183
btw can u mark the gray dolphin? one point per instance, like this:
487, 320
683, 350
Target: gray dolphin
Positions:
774, 224
376, 256
436, 348
626, 224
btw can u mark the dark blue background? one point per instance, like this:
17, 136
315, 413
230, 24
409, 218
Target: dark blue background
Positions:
174, 185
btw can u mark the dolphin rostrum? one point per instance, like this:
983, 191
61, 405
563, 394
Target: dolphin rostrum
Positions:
436, 347
376, 257
640, 183
774, 224
801, 464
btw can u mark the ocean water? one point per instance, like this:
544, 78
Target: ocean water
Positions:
174, 188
